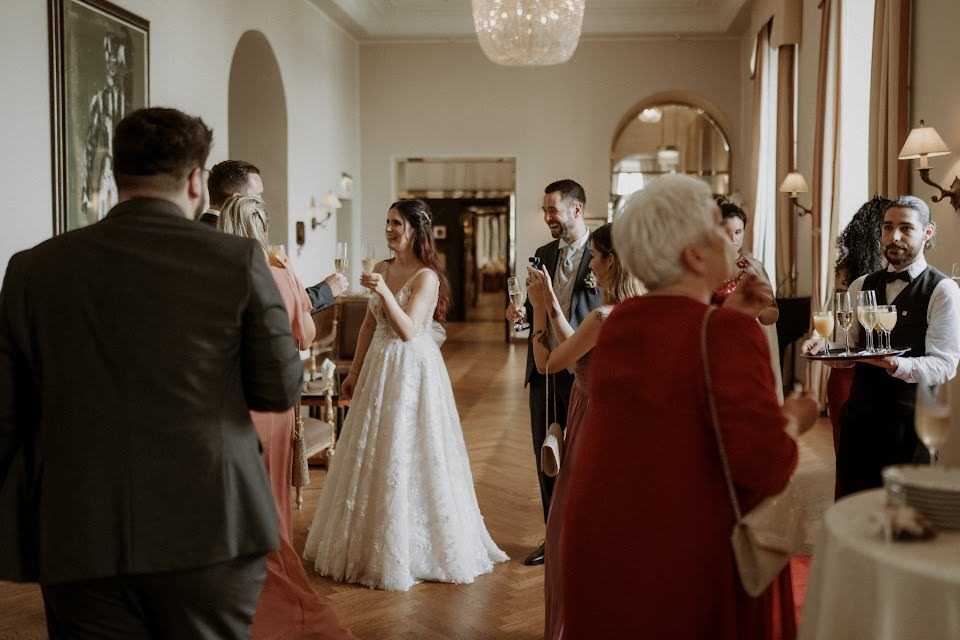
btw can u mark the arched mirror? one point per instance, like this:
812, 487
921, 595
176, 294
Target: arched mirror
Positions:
669, 137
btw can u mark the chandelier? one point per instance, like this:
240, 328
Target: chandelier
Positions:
528, 32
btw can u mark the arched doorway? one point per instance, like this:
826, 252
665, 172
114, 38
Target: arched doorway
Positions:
257, 122
670, 132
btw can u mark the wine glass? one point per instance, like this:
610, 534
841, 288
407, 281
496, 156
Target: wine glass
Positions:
823, 322
932, 417
867, 315
886, 321
955, 272
518, 296
340, 258
844, 311
368, 253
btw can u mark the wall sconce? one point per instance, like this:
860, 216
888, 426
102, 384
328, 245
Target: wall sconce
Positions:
922, 143
794, 184
330, 202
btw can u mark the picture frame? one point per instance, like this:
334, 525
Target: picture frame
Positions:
99, 72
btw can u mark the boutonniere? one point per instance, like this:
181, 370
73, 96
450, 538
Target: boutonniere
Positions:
590, 281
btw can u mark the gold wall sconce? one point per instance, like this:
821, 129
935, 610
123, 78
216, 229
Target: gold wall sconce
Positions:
924, 142
794, 184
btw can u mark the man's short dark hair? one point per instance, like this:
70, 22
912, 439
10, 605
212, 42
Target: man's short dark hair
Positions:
568, 189
228, 178
159, 146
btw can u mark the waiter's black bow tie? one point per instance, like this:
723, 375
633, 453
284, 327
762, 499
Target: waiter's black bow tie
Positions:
897, 275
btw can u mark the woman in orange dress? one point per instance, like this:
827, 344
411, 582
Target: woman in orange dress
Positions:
289, 608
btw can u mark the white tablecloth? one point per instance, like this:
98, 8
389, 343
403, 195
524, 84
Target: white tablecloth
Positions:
862, 587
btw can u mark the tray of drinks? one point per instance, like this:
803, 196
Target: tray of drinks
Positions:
840, 354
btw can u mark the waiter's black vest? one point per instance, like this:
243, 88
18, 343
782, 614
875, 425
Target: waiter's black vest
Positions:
874, 390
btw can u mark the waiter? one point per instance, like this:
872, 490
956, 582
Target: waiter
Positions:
876, 425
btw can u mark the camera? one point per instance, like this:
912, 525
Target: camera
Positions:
536, 262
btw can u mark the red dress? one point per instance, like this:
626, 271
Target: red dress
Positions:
640, 528
289, 608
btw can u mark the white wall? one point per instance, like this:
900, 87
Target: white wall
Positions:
192, 44
558, 122
934, 55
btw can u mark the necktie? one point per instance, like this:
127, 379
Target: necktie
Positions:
893, 276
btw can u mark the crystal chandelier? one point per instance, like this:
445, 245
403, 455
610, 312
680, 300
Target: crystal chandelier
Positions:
528, 32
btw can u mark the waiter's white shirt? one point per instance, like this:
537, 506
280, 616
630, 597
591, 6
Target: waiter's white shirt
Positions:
943, 329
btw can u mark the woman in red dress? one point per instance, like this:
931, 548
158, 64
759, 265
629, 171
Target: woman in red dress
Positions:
643, 540
289, 608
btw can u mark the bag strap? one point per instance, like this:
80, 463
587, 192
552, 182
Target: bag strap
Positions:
546, 372
714, 419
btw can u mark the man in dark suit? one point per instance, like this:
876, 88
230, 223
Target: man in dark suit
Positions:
230, 178
131, 352
567, 260
237, 177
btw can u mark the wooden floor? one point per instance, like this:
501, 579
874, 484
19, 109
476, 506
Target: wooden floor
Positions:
487, 377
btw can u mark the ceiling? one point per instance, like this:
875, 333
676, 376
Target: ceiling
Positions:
379, 20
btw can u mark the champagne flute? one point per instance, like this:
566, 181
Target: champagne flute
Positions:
277, 254
340, 258
368, 251
844, 311
518, 296
886, 321
867, 315
932, 417
955, 272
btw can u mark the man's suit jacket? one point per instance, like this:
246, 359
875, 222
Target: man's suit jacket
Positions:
582, 301
320, 296
130, 354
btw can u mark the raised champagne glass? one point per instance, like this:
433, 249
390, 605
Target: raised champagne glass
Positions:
518, 297
886, 321
844, 312
932, 417
340, 258
867, 315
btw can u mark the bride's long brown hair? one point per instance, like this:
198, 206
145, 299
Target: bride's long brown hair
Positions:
418, 215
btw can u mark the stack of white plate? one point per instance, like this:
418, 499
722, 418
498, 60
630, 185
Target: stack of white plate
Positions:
933, 491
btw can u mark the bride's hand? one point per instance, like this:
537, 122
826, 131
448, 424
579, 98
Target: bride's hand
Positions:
347, 387
375, 283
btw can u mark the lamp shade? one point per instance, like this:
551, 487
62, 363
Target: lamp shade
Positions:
923, 141
330, 201
794, 184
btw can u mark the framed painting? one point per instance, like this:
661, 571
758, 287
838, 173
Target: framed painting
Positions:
99, 72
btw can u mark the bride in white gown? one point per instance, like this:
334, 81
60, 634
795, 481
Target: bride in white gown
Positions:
398, 505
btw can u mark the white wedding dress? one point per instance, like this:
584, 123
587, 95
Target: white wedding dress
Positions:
398, 505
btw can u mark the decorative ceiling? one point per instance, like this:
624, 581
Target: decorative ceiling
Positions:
377, 20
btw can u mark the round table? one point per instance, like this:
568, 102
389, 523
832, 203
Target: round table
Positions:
862, 586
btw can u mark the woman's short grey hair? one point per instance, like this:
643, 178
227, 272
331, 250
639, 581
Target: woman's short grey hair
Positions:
658, 223
245, 216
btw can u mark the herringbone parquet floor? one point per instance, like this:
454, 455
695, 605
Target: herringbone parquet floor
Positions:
487, 376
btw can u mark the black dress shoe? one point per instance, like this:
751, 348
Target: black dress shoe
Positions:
535, 557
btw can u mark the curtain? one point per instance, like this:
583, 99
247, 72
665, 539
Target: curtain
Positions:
824, 190
786, 229
765, 204
888, 97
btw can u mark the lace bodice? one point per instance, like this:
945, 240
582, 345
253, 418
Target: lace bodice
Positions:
384, 328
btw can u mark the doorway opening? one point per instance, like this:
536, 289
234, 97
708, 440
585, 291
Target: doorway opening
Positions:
474, 223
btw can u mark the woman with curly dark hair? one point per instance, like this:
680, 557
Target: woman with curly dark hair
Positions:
859, 253
398, 505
